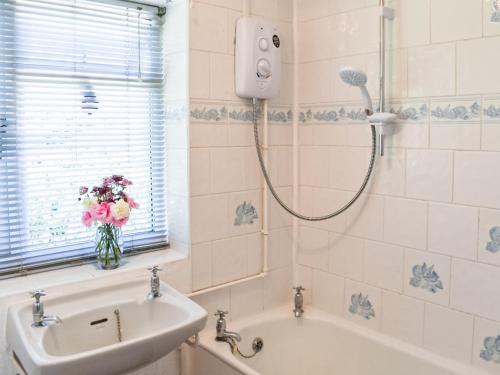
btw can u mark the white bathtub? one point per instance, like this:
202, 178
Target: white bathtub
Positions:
317, 344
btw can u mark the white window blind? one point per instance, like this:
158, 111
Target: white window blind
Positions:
80, 99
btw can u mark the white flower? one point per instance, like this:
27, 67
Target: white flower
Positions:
89, 203
120, 209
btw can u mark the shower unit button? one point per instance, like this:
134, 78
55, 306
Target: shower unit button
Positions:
263, 68
263, 44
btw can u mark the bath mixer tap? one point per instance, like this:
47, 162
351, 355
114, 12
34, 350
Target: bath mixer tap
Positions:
298, 311
220, 327
39, 318
155, 283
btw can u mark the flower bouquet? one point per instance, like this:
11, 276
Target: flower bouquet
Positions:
109, 206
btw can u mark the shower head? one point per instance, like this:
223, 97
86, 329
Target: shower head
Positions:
353, 76
356, 77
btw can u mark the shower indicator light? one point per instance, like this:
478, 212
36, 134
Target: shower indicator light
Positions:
276, 41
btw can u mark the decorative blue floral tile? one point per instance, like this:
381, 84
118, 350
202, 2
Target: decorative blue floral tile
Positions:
209, 114
492, 112
491, 351
333, 114
495, 15
411, 112
493, 246
242, 115
426, 278
457, 112
361, 305
281, 116
246, 213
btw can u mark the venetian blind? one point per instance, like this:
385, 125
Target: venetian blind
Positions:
80, 99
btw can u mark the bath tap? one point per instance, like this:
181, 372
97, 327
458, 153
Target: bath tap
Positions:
298, 311
39, 319
155, 283
221, 333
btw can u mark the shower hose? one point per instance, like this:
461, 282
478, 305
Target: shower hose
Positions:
275, 194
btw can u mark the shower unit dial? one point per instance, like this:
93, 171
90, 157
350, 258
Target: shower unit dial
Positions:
257, 59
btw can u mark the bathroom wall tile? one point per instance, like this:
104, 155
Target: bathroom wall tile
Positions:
327, 135
253, 173
201, 259
305, 279
411, 25
456, 21
328, 292
232, 18
311, 47
221, 77
474, 288
429, 174
247, 299
208, 28
474, 182
474, 71
348, 166
200, 171
280, 243
209, 220
311, 9
254, 254
365, 217
396, 71
286, 36
357, 28
490, 139
453, 230
342, 6
314, 163
199, 74
313, 248
346, 256
453, 110
230, 259
455, 136
485, 354
231, 4
228, 169
277, 288
314, 82
327, 201
489, 245
491, 17
405, 222
448, 332
403, 317
389, 177
363, 304
427, 276
383, 265
431, 70
213, 301
278, 217
208, 135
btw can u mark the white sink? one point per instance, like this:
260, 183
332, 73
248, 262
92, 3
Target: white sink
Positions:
87, 341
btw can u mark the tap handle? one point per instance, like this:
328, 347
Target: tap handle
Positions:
221, 314
298, 289
36, 294
155, 270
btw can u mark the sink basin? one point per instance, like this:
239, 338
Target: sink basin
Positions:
88, 340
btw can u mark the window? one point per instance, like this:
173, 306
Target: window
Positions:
80, 99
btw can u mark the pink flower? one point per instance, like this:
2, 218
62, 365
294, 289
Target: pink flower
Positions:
102, 213
131, 202
87, 218
119, 223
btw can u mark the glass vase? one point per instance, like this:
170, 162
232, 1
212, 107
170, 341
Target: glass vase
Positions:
109, 245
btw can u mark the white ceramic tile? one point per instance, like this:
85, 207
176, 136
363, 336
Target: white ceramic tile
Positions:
455, 136
396, 70
221, 77
411, 25
213, 301
201, 258
485, 330
305, 279
358, 30
383, 265
228, 169
341, 6
249, 222
474, 180
327, 135
491, 20
346, 256
208, 135
326, 201
200, 171
313, 248
490, 137
488, 245
348, 167
474, 288
365, 217
231, 4
311, 47
209, 220
310, 9
314, 82
247, 299
453, 230
389, 177
448, 332
230, 259
452, 20
429, 174
277, 288
430, 287
475, 71
199, 78
405, 222
208, 28
254, 254
314, 162
431, 70
328, 292
403, 317
368, 317
278, 217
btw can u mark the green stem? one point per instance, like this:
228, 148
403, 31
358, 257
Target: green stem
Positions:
108, 242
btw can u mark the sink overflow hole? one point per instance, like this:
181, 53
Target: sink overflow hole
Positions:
98, 321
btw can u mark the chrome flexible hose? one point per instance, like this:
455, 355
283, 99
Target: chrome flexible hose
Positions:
275, 194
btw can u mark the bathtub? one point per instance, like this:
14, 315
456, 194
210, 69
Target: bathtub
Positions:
317, 344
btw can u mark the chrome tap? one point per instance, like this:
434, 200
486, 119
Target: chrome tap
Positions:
39, 319
220, 327
298, 311
155, 283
